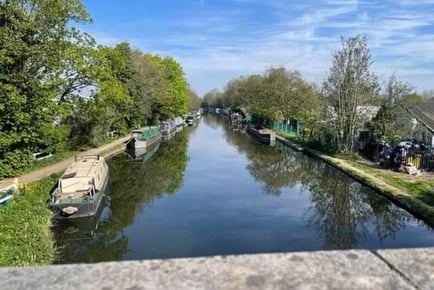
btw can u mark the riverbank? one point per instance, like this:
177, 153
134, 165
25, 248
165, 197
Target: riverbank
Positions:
413, 193
25, 235
106, 150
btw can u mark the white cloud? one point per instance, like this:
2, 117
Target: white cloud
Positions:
216, 45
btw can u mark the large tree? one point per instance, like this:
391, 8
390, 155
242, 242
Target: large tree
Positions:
178, 88
349, 91
107, 106
288, 95
39, 51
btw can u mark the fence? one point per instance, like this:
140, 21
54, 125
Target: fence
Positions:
278, 126
421, 159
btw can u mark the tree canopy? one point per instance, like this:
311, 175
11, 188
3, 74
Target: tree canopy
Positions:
59, 89
349, 91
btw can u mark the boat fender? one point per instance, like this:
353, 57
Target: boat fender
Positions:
58, 193
70, 210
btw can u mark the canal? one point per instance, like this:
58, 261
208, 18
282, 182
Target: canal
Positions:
214, 191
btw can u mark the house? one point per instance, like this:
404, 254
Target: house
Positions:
424, 113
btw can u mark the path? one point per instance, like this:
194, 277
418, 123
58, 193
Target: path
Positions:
62, 165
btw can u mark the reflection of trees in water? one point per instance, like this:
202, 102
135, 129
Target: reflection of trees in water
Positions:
212, 120
343, 212
132, 186
389, 219
268, 165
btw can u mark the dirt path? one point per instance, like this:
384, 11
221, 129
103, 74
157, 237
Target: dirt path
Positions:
62, 165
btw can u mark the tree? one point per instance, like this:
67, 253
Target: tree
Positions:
37, 40
243, 92
194, 101
349, 91
213, 98
107, 107
289, 96
392, 122
164, 88
178, 88
153, 93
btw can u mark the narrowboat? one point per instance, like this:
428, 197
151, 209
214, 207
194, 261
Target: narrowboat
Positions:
80, 189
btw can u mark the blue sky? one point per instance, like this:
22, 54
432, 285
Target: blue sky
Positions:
218, 40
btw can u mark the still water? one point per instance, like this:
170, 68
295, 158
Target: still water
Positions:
212, 191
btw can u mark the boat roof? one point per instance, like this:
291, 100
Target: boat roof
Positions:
83, 167
142, 129
79, 175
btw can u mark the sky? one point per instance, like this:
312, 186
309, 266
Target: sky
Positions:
219, 40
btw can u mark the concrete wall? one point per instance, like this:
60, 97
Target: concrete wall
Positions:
350, 269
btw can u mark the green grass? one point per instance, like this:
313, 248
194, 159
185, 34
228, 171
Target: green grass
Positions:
420, 187
25, 236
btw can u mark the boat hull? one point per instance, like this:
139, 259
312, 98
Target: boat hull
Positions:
140, 155
78, 228
263, 135
85, 207
140, 147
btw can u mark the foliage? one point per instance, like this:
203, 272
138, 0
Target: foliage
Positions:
349, 91
178, 88
289, 95
278, 94
58, 89
36, 39
164, 87
194, 101
135, 83
213, 98
392, 122
25, 237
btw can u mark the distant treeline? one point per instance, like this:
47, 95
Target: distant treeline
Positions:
350, 98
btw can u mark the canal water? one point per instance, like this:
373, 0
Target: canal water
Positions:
214, 191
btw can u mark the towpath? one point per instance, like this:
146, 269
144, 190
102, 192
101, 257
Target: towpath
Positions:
36, 175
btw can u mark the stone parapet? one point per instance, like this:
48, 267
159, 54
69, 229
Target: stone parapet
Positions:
347, 269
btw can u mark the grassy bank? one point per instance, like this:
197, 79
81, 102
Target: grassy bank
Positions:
25, 236
421, 187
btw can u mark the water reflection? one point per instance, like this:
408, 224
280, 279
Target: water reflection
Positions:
342, 212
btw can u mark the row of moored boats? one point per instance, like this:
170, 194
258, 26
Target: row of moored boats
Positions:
81, 188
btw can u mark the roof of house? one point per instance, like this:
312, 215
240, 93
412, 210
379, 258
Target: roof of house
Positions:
424, 113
